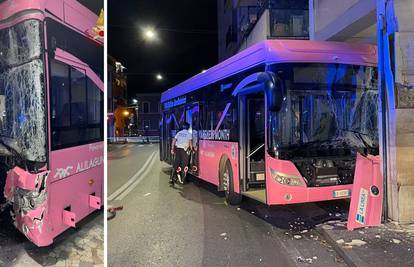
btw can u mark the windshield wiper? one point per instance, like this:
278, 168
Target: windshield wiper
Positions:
12, 151
368, 147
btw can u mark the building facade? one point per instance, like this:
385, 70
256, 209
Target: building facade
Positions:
243, 23
116, 98
358, 21
149, 114
344, 20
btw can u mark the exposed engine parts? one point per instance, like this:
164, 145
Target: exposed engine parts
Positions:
26, 191
28, 200
327, 172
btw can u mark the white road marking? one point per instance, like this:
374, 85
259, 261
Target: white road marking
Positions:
132, 187
133, 178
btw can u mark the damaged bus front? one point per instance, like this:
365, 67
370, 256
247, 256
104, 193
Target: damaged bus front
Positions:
329, 116
51, 115
23, 155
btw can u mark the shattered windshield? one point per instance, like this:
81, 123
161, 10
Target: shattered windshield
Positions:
22, 99
326, 106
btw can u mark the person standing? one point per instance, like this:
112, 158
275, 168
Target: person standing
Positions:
182, 143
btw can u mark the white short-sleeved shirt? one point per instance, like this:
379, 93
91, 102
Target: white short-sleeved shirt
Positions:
183, 138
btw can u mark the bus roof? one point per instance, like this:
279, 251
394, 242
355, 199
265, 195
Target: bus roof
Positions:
278, 51
71, 12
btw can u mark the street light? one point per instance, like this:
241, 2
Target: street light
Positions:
135, 102
203, 71
149, 34
159, 77
126, 113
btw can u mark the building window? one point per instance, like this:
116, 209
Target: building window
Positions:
289, 18
145, 107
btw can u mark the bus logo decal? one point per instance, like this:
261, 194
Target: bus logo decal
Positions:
88, 164
63, 172
362, 206
176, 102
215, 135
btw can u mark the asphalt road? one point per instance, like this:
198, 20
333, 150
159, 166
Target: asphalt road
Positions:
192, 225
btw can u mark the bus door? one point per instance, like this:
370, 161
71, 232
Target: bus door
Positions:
194, 121
167, 122
252, 143
162, 137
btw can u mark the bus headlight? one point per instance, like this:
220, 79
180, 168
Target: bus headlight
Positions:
286, 179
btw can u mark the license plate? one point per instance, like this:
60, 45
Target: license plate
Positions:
342, 193
260, 177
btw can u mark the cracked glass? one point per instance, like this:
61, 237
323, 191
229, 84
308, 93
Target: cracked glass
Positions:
22, 99
327, 105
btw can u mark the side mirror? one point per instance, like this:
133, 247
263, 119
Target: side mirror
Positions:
274, 88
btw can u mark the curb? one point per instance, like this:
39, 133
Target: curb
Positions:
350, 257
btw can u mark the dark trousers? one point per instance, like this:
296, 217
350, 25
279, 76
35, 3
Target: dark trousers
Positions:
181, 159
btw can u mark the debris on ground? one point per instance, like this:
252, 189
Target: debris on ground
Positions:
396, 241
356, 242
297, 237
340, 241
238, 208
305, 260
300, 259
327, 227
304, 231
223, 234
147, 194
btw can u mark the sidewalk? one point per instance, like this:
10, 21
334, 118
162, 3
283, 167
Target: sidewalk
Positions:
388, 245
81, 246
134, 139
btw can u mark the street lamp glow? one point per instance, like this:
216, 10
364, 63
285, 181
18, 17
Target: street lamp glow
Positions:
203, 71
149, 34
134, 101
159, 77
126, 113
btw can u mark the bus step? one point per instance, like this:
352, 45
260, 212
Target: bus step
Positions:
94, 202
69, 218
256, 182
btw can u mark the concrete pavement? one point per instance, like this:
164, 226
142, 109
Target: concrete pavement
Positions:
192, 225
386, 246
83, 246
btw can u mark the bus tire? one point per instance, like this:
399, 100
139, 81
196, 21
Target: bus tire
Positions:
226, 175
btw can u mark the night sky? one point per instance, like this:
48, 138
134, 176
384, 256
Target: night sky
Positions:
187, 33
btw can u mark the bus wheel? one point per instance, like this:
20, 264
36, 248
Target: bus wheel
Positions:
226, 174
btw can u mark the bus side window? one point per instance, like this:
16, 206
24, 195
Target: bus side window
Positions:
78, 97
60, 101
76, 107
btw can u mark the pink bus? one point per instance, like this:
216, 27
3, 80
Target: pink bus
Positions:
282, 122
51, 106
